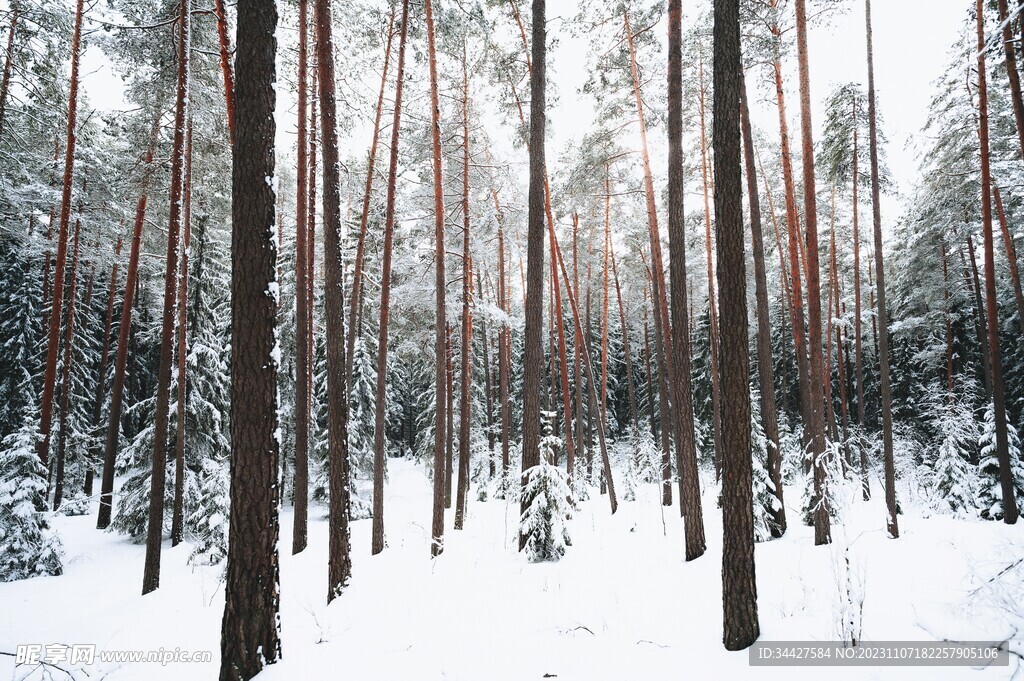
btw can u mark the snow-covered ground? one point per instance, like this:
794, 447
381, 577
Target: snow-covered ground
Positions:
621, 605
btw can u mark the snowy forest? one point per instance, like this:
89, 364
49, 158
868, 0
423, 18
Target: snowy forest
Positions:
495, 339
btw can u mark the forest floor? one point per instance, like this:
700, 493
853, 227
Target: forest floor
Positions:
622, 604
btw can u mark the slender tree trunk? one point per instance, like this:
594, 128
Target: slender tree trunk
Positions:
303, 388
57, 301
1012, 75
158, 473
101, 384
124, 332
883, 315
466, 383
503, 346
716, 392
339, 533
816, 371
981, 325
765, 369
858, 334
449, 445
948, 319
1011, 257
992, 305
840, 361
380, 402
739, 587
649, 372
686, 450
226, 67
357, 269
178, 512
630, 382
605, 275
5, 80
250, 632
559, 324
65, 390
488, 368
440, 384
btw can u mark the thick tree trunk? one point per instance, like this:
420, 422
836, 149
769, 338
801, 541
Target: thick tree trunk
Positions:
466, 377
303, 388
57, 300
178, 511
686, 450
992, 305
357, 269
65, 389
158, 473
124, 332
5, 80
440, 384
816, 371
250, 632
883, 315
380, 398
339, 533
739, 587
765, 368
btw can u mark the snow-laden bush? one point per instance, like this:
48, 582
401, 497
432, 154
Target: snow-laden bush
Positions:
28, 546
548, 504
990, 493
209, 520
766, 503
953, 481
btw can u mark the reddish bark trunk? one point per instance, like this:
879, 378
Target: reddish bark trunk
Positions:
65, 390
226, 68
5, 81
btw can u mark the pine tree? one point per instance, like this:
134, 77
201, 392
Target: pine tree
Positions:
28, 546
766, 502
990, 495
546, 502
953, 479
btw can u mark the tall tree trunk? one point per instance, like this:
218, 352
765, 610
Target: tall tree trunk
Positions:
303, 388
1011, 257
178, 511
981, 325
630, 382
840, 361
5, 80
816, 371
357, 269
65, 390
686, 450
101, 375
226, 67
440, 384
154, 533
250, 632
739, 587
716, 393
559, 324
948, 319
765, 369
466, 382
883, 315
380, 397
649, 371
124, 333
503, 347
858, 334
488, 367
449, 412
339, 533
992, 304
1012, 75
57, 300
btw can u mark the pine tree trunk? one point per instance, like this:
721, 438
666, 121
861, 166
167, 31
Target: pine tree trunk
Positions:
840, 362
154, 534
380, 397
5, 80
339, 533
739, 587
57, 300
1012, 75
226, 67
503, 346
440, 384
466, 382
250, 633
1006, 480
559, 325
763, 338
883, 315
357, 269
686, 451
101, 375
303, 388
485, 342
858, 334
1011, 257
124, 333
449, 412
981, 325
65, 390
177, 513
816, 371
630, 383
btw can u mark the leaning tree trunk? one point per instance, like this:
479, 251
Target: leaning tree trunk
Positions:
440, 384
765, 369
1012, 75
250, 632
686, 450
883, 315
5, 80
65, 390
339, 533
816, 371
992, 305
57, 300
380, 397
124, 333
739, 587
154, 534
